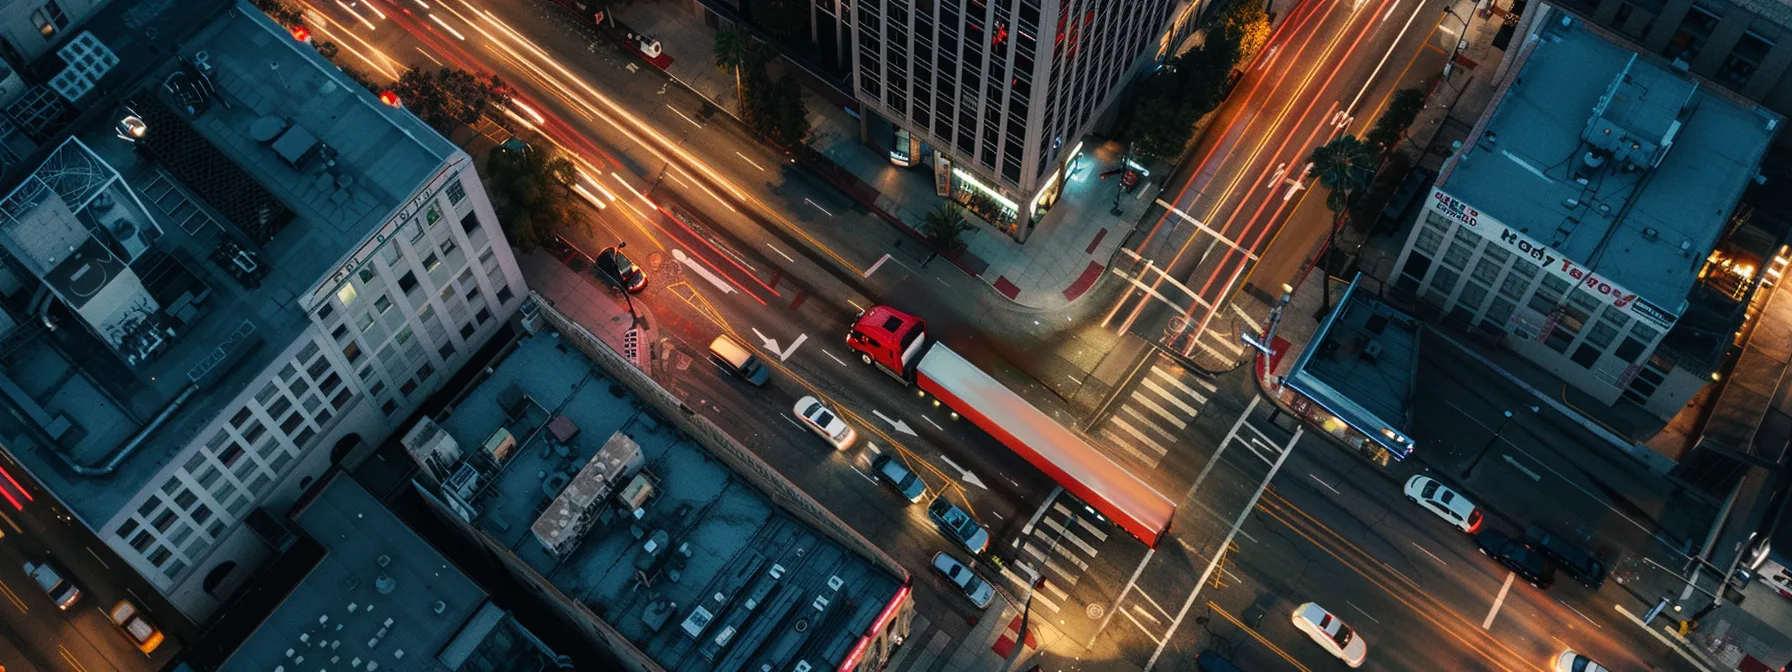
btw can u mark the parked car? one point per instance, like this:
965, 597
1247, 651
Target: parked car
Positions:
978, 590
616, 268
1331, 632
131, 622
1570, 661
959, 525
55, 582
1586, 568
1441, 500
822, 420
1514, 555
891, 471
735, 358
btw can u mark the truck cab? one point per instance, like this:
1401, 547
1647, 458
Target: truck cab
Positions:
890, 339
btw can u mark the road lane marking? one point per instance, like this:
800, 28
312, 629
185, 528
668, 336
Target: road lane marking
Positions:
818, 207
1160, 608
70, 657
1584, 616
432, 59
1360, 611
832, 357
1148, 403
681, 115
14, 598
692, 264
1433, 557
743, 157
1221, 611
97, 557
1142, 629
1497, 601
880, 262
862, 473
1328, 486
1147, 459
793, 422
1173, 380
855, 304
931, 422
9, 523
780, 253
1384, 58
1390, 14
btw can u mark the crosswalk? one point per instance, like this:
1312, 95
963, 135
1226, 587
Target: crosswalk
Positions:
1151, 419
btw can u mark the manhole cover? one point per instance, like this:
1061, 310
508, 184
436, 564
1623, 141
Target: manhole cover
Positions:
1095, 611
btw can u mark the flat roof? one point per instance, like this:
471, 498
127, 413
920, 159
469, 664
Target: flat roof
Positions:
381, 595
1361, 365
1674, 158
776, 590
225, 331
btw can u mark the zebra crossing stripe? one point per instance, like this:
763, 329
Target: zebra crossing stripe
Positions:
1161, 432
1168, 417
1173, 380
1058, 531
1123, 424
1116, 438
1152, 384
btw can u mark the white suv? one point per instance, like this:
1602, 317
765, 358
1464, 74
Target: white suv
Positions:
1446, 503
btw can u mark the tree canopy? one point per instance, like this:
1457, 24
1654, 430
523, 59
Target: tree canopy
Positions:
449, 97
531, 191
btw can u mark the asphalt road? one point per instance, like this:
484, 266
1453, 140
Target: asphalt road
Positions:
1243, 199
34, 634
736, 241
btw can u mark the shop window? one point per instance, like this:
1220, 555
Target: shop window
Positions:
1740, 65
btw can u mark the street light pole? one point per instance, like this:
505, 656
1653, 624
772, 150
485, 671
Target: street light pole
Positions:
1490, 441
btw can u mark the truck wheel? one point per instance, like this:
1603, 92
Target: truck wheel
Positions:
866, 358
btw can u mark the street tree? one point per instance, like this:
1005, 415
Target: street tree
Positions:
1395, 119
1346, 165
735, 50
531, 191
449, 97
945, 227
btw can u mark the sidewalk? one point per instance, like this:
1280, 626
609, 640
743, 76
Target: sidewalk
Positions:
1063, 255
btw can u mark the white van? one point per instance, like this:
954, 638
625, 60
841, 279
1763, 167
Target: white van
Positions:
734, 357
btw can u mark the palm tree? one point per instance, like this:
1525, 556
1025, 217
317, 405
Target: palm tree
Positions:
943, 226
734, 49
1345, 166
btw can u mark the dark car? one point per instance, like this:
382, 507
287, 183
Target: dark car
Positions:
616, 268
1586, 568
1514, 555
892, 472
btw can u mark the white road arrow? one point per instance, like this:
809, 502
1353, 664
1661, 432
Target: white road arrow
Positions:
964, 474
772, 345
898, 424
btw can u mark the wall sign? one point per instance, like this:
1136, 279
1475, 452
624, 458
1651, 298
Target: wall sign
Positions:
1549, 260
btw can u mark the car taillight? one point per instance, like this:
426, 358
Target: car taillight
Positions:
1474, 521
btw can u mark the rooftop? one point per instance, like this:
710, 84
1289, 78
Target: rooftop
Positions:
260, 167
382, 598
1362, 367
688, 560
1615, 161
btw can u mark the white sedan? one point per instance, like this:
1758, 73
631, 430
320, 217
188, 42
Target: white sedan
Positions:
823, 421
978, 590
1446, 503
1570, 661
1331, 633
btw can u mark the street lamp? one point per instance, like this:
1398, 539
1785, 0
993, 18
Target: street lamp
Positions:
1461, 41
1507, 420
612, 273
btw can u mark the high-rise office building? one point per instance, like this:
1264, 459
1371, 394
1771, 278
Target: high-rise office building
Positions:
252, 271
996, 94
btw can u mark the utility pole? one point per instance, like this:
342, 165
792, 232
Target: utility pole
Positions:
1507, 420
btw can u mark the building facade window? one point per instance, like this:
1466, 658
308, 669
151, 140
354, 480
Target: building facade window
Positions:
49, 19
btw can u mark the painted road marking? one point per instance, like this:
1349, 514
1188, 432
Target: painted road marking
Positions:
692, 264
14, 598
681, 115
793, 422
1147, 459
1153, 386
1123, 424
1328, 486
772, 345
9, 523
1433, 557
1065, 534
818, 207
743, 157
832, 357
1167, 415
1390, 14
1360, 611
780, 253
964, 474
873, 269
101, 560
931, 422
1583, 616
898, 424
862, 473
1147, 423
1497, 601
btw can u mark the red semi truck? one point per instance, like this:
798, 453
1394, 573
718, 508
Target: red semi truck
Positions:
897, 343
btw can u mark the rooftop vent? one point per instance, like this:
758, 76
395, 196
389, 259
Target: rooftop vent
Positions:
440, 608
385, 584
1649, 233
88, 59
1570, 203
1371, 352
